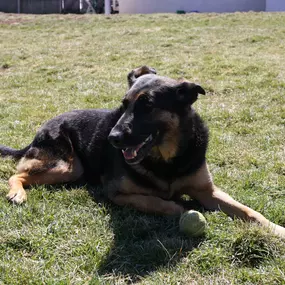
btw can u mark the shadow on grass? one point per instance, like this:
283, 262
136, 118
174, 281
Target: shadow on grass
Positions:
143, 243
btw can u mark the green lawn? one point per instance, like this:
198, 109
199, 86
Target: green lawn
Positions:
55, 63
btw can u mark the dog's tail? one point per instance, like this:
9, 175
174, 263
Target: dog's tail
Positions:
16, 154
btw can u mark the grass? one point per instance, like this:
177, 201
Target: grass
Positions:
55, 63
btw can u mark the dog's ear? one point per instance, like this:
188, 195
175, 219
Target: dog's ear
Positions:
136, 73
187, 92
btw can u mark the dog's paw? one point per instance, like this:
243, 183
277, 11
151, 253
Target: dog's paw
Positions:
278, 230
17, 196
171, 208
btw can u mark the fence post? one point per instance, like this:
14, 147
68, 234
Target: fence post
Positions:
107, 7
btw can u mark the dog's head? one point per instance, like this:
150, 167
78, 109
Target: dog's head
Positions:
153, 108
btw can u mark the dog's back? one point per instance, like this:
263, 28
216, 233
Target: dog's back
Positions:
80, 132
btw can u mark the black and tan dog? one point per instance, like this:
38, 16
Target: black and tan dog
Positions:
146, 153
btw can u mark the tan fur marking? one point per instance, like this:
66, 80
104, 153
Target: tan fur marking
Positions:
28, 165
134, 97
141, 71
169, 146
201, 188
129, 187
63, 172
148, 204
195, 181
155, 152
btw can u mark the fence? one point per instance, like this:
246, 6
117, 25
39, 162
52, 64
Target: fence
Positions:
40, 6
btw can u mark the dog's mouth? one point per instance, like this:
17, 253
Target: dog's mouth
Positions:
135, 154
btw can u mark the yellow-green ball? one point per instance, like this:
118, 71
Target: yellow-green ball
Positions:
192, 223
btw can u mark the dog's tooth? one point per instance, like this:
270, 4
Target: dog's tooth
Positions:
134, 153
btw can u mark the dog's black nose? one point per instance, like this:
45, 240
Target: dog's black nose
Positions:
115, 138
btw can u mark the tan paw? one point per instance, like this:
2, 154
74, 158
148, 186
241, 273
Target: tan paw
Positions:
17, 196
280, 231
173, 209
277, 230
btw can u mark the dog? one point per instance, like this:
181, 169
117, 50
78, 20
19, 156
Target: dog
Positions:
146, 153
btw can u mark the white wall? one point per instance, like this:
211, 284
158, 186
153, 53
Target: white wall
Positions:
275, 5
171, 6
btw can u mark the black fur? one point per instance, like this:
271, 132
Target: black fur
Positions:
8, 151
191, 151
88, 133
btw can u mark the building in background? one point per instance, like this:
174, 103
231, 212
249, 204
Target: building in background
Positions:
275, 5
172, 6
139, 6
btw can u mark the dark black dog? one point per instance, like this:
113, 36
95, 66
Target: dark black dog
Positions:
146, 153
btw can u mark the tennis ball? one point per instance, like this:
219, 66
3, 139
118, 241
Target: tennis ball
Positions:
192, 223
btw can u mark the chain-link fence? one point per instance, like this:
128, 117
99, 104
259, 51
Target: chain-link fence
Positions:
56, 6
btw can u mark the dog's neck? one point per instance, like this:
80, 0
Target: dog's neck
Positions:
183, 150
177, 140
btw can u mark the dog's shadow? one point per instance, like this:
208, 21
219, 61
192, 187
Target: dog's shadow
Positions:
142, 243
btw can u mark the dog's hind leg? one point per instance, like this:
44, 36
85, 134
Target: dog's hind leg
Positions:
34, 171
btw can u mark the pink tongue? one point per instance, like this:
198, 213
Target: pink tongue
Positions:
129, 153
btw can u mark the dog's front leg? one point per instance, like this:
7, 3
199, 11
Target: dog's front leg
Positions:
148, 204
213, 198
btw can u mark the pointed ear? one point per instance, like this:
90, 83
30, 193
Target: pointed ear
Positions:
187, 92
136, 73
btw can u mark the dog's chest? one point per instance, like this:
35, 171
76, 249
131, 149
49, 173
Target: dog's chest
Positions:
149, 184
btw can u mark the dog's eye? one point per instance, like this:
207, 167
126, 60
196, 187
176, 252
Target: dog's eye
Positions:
143, 105
148, 107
